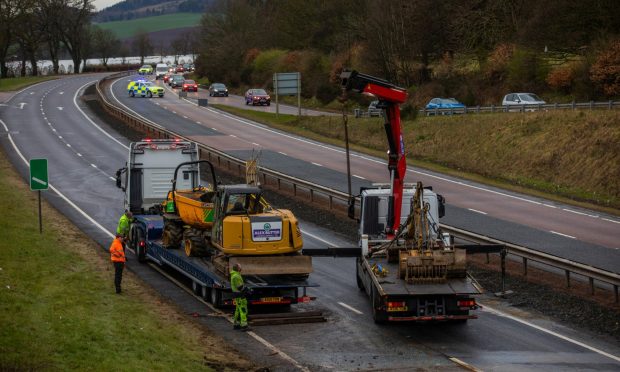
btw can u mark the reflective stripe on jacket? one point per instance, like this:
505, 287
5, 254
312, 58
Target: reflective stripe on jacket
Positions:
117, 254
236, 281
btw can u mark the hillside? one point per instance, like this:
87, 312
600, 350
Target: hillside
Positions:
134, 9
127, 29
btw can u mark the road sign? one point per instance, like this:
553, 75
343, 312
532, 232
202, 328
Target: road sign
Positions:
287, 84
38, 174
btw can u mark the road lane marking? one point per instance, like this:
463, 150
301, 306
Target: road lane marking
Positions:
214, 128
255, 144
360, 177
59, 108
317, 164
557, 233
477, 211
68, 145
113, 179
90, 120
232, 135
465, 365
350, 308
565, 338
78, 154
174, 112
580, 213
93, 165
198, 122
614, 221
184, 117
319, 239
283, 153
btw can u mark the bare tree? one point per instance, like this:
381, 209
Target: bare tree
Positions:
74, 21
142, 44
9, 11
51, 12
105, 44
29, 32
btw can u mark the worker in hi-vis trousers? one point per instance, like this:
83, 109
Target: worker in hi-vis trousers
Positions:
241, 302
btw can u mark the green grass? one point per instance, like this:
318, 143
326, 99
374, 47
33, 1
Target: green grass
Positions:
11, 84
126, 29
571, 157
58, 310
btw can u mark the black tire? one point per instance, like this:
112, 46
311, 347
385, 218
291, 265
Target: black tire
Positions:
226, 95
215, 297
210, 94
172, 235
268, 103
194, 243
196, 288
132, 93
139, 236
149, 94
360, 283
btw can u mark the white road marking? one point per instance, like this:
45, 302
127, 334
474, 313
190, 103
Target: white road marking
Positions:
93, 165
21, 105
319, 239
350, 308
614, 221
232, 135
214, 128
68, 145
283, 153
255, 144
564, 235
565, 338
184, 117
78, 154
174, 112
53, 129
198, 122
580, 213
31, 92
360, 177
317, 164
91, 121
60, 137
61, 92
157, 103
59, 107
477, 211
113, 179
465, 365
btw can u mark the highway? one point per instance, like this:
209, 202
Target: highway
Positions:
48, 120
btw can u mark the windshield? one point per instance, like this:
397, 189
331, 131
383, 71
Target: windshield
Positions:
529, 97
177, 77
146, 66
260, 92
449, 101
148, 84
219, 86
189, 81
160, 69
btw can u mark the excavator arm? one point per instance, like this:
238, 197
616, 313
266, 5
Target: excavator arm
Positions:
390, 97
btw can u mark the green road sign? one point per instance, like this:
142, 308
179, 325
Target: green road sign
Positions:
38, 174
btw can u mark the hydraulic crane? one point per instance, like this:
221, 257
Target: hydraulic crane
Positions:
390, 97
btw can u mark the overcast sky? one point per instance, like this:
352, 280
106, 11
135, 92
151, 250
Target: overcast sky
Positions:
100, 4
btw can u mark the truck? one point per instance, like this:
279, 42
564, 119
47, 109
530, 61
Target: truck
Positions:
150, 178
408, 267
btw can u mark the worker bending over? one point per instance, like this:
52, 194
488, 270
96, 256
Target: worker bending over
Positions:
117, 255
124, 223
241, 303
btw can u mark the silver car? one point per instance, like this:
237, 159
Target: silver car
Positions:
520, 99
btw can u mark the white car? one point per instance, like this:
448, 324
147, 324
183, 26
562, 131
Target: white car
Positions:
520, 99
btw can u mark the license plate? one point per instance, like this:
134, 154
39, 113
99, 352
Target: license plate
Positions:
402, 308
271, 299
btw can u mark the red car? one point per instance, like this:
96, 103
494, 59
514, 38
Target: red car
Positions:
190, 85
180, 68
257, 97
166, 78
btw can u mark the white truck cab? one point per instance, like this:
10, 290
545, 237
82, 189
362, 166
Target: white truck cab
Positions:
160, 70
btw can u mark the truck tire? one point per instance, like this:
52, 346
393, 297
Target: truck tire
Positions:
149, 94
216, 297
360, 283
172, 235
139, 236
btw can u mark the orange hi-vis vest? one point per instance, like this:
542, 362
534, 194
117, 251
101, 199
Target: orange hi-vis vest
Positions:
116, 251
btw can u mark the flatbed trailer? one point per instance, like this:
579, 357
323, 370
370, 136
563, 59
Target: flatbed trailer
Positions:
208, 281
394, 299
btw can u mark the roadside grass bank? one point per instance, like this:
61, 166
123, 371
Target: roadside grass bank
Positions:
128, 28
58, 309
571, 157
11, 84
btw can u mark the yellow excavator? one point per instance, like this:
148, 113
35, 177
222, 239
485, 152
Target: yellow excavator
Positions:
233, 223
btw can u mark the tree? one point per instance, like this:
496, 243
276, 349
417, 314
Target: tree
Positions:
105, 44
73, 22
142, 44
30, 32
9, 12
51, 11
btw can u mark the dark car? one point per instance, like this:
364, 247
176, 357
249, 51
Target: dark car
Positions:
176, 81
444, 106
257, 97
190, 85
218, 89
180, 68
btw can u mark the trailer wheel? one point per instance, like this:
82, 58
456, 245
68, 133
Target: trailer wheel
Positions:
216, 297
196, 288
205, 292
137, 239
360, 283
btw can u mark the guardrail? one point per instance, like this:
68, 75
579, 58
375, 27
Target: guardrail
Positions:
609, 105
335, 200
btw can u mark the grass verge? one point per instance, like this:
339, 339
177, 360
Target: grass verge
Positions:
58, 310
11, 84
563, 156
128, 28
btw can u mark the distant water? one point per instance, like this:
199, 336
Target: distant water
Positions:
66, 65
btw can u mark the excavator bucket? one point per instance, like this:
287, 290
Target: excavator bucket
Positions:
432, 266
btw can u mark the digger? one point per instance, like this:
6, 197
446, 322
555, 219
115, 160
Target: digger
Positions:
233, 224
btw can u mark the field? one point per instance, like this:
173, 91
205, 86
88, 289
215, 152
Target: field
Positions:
570, 156
11, 84
127, 29
58, 309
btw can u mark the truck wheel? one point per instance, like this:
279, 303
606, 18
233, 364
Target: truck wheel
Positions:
360, 283
196, 288
193, 243
172, 234
136, 240
132, 93
149, 94
216, 297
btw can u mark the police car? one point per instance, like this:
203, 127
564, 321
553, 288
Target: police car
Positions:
144, 89
145, 70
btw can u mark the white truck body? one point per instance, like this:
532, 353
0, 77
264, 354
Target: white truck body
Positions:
160, 70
